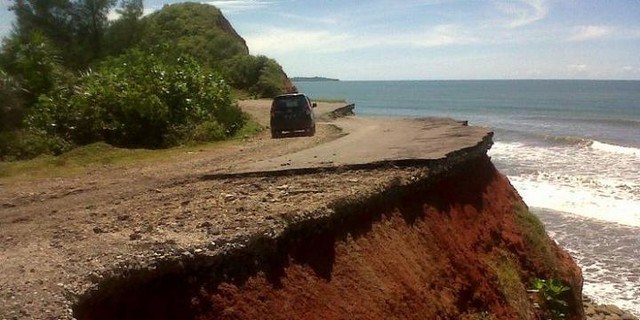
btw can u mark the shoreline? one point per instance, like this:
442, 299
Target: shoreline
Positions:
607, 257
597, 311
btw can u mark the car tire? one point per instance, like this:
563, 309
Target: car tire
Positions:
311, 131
275, 134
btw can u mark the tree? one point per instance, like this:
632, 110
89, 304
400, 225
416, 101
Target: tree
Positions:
89, 22
126, 31
51, 18
75, 27
34, 63
131, 9
11, 105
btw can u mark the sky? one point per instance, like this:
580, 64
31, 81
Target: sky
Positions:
437, 39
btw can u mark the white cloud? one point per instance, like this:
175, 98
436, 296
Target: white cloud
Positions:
523, 12
438, 36
231, 6
585, 33
630, 70
577, 68
310, 19
627, 33
282, 40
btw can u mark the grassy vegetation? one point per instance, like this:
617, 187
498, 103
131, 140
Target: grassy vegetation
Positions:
480, 316
535, 236
504, 266
96, 155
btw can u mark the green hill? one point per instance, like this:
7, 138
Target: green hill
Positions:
203, 32
199, 29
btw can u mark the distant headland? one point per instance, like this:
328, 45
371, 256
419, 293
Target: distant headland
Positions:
313, 79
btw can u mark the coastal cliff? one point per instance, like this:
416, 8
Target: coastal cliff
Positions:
451, 241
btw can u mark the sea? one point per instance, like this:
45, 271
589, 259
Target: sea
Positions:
570, 147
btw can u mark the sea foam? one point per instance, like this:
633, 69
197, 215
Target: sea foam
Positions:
596, 145
599, 180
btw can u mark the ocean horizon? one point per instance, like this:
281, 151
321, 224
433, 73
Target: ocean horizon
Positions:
571, 148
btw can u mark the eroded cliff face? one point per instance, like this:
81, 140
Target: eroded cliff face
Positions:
457, 245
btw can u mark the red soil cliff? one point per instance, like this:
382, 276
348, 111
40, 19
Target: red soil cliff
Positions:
455, 245
462, 247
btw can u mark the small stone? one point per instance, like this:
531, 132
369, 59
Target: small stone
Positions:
205, 224
98, 230
229, 197
123, 217
613, 309
135, 236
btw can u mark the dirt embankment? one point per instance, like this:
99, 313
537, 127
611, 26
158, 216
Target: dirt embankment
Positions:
441, 238
458, 244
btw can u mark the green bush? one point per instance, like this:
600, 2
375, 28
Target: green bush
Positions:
138, 100
27, 144
209, 131
554, 296
11, 102
261, 76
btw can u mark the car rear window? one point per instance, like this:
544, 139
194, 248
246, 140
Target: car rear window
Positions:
290, 102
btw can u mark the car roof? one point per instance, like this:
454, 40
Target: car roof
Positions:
290, 95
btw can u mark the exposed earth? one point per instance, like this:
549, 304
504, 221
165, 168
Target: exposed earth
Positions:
62, 240
61, 236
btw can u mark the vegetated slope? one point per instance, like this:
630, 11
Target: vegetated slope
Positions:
202, 31
199, 29
459, 244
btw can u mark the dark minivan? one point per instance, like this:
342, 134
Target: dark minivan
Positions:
291, 113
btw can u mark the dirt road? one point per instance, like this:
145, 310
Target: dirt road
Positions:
62, 238
370, 142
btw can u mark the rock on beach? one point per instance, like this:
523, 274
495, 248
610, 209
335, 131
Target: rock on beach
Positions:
595, 311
